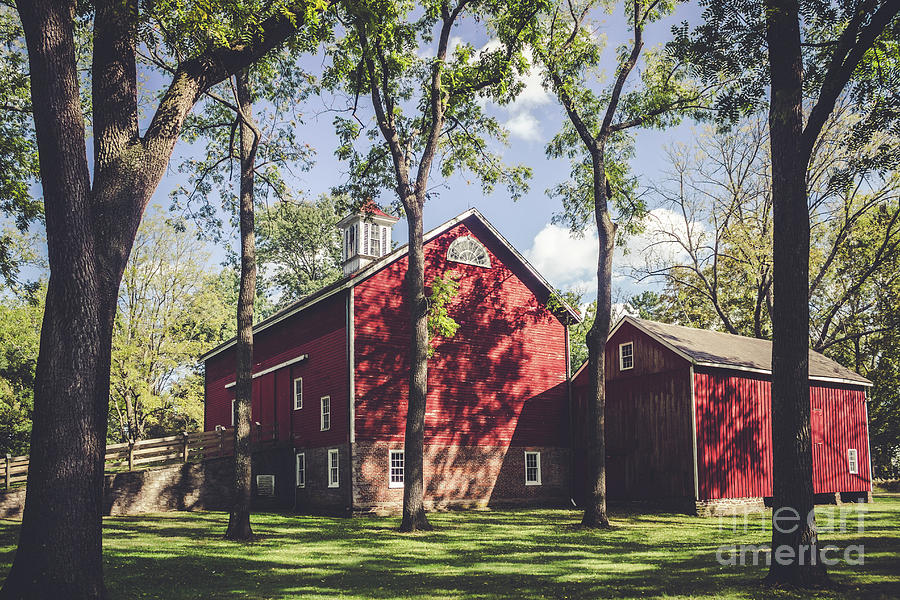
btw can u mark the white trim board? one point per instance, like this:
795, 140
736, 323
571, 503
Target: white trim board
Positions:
286, 363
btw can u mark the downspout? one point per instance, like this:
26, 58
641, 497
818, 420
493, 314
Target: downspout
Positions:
868, 445
351, 367
571, 418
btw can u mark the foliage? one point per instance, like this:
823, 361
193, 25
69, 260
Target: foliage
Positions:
299, 246
856, 41
528, 553
170, 310
444, 288
20, 330
570, 54
18, 148
279, 89
388, 53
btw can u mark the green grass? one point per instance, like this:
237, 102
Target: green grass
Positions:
510, 554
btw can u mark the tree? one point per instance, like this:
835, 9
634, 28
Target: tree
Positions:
92, 215
426, 111
20, 329
718, 248
834, 49
300, 244
167, 314
18, 151
261, 158
594, 137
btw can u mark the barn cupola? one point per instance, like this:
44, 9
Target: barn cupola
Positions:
366, 237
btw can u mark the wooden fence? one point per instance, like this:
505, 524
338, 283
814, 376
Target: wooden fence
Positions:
129, 456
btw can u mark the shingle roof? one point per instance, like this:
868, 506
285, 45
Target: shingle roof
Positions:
715, 349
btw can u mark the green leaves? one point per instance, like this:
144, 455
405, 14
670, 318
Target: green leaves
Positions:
428, 90
444, 288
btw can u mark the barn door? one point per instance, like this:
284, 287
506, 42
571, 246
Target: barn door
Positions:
817, 433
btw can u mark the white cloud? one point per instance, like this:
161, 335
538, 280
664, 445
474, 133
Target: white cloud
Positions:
570, 263
566, 261
525, 126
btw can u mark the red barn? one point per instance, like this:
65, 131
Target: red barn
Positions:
688, 417
330, 376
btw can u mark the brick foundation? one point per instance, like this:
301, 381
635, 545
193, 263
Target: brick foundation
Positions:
461, 477
724, 507
316, 496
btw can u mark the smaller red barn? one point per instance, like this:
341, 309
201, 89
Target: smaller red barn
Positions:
688, 418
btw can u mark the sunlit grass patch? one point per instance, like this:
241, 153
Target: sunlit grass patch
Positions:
493, 554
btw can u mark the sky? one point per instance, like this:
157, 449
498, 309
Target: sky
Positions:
567, 261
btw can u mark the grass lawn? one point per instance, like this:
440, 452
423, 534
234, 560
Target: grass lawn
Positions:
512, 554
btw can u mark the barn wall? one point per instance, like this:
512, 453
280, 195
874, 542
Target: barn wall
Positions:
734, 435
650, 355
839, 423
498, 384
649, 452
318, 331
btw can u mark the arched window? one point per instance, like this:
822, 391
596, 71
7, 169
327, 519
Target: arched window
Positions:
468, 250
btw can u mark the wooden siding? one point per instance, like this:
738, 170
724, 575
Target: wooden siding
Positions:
734, 435
319, 332
499, 381
650, 356
841, 412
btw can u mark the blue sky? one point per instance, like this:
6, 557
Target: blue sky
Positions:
532, 120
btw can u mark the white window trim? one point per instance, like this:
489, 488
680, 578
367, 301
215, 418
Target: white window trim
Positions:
539, 481
391, 482
233, 401
296, 379
853, 464
300, 457
333, 483
622, 366
322, 413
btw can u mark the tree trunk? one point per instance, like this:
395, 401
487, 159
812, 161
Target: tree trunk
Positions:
795, 531
239, 520
59, 552
414, 518
595, 500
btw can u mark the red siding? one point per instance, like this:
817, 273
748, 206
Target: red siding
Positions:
320, 332
734, 436
842, 414
499, 381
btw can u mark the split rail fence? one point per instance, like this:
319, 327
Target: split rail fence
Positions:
129, 456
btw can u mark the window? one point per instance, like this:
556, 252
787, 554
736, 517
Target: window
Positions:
375, 241
852, 461
468, 250
334, 468
298, 393
301, 469
384, 241
396, 468
326, 413
532, 468
626, 356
